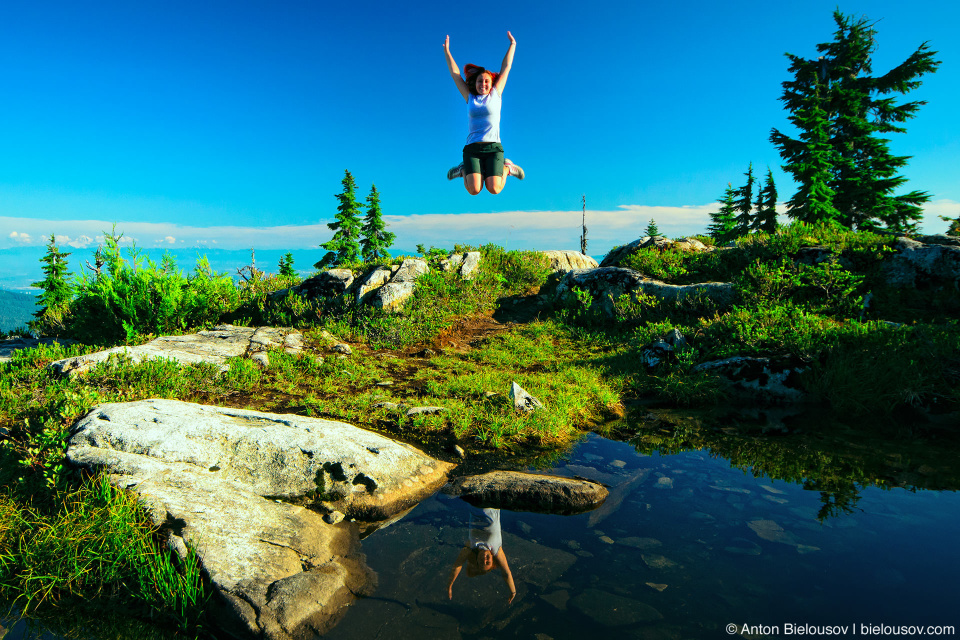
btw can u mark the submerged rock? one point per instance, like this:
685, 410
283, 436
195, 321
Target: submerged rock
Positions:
517, 491
611, 610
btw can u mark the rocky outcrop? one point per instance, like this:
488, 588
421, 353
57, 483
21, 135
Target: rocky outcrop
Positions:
222, 480
392, 295
362, 474
212, 347
466, 264
663, 350
618, 254
607, 284
916, 263
327, 284
9, 346
517, 491
563, 261
764, 380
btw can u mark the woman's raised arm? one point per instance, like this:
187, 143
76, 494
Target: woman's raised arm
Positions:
507, 63
455, 71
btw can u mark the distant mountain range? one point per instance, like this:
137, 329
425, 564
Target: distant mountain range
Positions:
16, 309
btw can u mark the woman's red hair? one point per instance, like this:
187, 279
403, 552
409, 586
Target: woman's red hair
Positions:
471, 71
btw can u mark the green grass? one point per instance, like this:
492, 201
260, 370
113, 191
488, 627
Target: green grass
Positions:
98, 542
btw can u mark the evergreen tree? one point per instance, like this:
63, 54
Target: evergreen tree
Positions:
811, 159
743, 204
954, 228
376, 239
724, 221
57, 292
651, 229
766, 218
286, 265
343, 248
835, 97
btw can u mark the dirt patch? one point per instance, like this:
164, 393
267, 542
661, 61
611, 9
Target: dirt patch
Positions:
471, 331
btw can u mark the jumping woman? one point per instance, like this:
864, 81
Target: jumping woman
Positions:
483, 162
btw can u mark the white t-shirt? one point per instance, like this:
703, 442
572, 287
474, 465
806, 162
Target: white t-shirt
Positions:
483, 116
485, 529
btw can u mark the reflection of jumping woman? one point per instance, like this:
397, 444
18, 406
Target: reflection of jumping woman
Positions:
483, 551
483, 162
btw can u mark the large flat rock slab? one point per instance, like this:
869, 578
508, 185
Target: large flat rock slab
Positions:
222, 480
365, 475
213, 347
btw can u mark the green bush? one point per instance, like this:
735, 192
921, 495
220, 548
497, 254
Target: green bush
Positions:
135, 298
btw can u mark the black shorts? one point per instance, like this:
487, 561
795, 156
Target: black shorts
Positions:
485, 158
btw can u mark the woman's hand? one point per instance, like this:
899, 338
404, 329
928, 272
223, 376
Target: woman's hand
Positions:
512, 596
446, 44
513, 41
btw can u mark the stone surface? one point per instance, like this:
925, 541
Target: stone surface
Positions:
607, 284
212, 477
9, 346
212, 347
761, 379
563, 261
333, 282
611, 610
916, 263
469, 265
371, 281
517, 491
365, 475
523, 401
618, 254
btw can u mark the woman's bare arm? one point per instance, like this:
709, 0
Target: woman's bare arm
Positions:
455, 71
507, 575
507, 64
455, 570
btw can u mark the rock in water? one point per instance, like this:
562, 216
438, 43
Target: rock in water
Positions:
518, 491
522, 400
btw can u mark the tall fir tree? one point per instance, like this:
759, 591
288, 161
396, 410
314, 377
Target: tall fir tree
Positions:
651, 229
56, 291
856, 111
766, 217
376, 239
343, 248
743, 204
724, 221
811, 158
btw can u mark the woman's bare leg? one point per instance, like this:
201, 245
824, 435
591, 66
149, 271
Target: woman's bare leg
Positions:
472, 181
495, 184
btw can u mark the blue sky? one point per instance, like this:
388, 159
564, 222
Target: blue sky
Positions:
230, 124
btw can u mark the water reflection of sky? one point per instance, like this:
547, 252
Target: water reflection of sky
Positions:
685, 545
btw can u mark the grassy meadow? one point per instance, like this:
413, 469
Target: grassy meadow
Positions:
870, 351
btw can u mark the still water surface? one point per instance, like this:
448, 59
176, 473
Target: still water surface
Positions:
687, 544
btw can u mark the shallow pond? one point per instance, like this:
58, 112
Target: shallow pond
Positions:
685, 545
788, 533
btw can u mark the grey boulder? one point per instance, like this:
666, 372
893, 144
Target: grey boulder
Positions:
212, 347
518, 491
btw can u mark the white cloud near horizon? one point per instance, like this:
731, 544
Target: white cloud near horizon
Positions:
513, 230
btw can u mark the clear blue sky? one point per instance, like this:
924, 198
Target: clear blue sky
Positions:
192, 123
